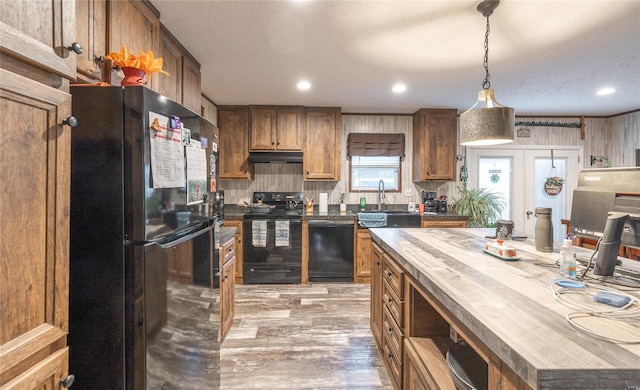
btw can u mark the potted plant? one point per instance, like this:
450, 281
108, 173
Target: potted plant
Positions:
343, 206
553, 185
482, 206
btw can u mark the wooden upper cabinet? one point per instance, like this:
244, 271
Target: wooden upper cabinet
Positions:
38, 33
234, 143
91, 33
191, 84
170, 86
135, 24
321, 153
34, 291
276, 128
183, 83
435, 138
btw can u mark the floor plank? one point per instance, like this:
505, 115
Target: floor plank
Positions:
313, 336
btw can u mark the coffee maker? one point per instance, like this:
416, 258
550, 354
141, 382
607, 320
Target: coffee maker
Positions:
430, 202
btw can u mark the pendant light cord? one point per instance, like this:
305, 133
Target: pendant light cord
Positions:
486, 84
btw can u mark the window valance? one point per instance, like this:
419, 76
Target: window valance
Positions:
375, 144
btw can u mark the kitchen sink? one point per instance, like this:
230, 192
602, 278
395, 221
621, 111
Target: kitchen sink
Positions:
399, 218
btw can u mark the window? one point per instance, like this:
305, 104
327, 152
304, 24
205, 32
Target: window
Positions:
367, 171
375, 157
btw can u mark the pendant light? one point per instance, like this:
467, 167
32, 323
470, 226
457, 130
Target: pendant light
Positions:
487, 122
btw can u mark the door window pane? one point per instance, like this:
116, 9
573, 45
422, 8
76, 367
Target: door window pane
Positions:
494, 174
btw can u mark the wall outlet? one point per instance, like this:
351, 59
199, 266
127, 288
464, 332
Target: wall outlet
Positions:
408, 193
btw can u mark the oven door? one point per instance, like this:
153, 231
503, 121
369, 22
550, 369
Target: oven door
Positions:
272, 251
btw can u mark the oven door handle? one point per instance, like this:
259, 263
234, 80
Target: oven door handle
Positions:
271, 269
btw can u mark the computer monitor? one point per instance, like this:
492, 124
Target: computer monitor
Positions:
607, 254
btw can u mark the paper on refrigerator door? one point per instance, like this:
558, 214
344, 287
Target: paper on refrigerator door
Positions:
167, 153
259, 234
282, 233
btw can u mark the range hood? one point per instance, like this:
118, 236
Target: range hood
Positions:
275, 157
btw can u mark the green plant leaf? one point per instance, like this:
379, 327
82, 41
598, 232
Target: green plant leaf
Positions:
481, 205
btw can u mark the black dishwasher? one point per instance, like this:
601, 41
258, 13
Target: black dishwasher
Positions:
330, 251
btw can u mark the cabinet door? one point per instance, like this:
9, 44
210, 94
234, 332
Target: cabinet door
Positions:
227, 297
170, 86
191, 85
136, 25
91, 33
434, 145
38, 32
263, 129
363, 256
289, 125
46, 375
35, 166
238, 237
321, 159
234, 143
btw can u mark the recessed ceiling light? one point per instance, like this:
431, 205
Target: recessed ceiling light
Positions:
303, 85
399, 88
606, 91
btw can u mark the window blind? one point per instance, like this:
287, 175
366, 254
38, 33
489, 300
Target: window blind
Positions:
372, 144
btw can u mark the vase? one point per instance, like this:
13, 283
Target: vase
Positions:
133, 76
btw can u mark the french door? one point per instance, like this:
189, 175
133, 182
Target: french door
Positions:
519, 175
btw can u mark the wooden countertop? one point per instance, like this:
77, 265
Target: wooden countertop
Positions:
509, 305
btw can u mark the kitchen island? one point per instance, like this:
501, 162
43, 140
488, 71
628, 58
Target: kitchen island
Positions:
434, 279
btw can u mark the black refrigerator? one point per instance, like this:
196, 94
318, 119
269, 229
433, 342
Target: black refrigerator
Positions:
143, 185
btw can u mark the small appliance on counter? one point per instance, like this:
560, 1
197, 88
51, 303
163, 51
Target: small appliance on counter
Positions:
442, 204
431, 204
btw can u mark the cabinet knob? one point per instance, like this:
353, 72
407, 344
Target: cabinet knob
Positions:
378, 263
140, 321
389, 274
390, 330
68, 381
390, 356
76, 48
390, 300
70, 121
100, 59
272, 143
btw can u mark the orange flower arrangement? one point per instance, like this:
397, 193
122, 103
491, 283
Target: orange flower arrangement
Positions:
145, 61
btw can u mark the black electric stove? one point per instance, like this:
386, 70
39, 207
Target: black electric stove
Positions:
272, 241
287, 205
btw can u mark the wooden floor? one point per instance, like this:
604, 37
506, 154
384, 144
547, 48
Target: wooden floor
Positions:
312, 336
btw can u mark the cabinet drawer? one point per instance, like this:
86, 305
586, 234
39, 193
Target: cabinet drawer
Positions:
392, 332
394, 276
227, 251
394, 304
393, 362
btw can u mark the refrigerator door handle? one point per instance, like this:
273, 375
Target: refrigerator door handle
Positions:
186, 235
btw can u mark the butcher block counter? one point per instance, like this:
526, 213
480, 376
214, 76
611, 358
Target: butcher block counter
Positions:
505, 310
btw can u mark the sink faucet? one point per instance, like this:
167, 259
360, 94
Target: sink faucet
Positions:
381, 197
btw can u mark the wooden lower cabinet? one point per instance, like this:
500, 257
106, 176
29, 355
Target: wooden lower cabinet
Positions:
238, 225
34, 232
227, 286
46, 375
412, 330
393, 318
443, 223
376, 293
362, 263
180, 263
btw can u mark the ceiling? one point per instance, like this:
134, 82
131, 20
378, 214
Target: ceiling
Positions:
545, 57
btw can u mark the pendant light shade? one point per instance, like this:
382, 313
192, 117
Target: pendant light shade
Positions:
487, 122
490, 124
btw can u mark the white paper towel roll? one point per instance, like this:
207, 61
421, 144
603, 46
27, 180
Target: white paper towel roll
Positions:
322, 205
